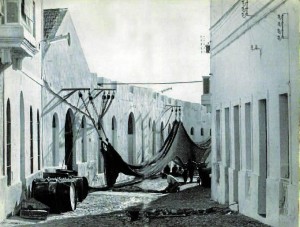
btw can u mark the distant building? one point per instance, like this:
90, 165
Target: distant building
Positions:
255, 116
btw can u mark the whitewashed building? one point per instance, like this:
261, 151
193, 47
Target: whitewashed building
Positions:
255, 116
20, 112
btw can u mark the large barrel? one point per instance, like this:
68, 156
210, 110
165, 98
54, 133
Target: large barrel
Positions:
59, 194
82, 187
45, 191
81, 183
67, 194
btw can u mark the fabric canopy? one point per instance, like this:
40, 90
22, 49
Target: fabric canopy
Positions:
177, 145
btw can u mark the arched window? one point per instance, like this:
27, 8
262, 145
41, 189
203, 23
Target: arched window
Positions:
154, 138
131, 139
143, 141
8, 143
192, 131
149, 135
162, 139
83, 140
130, 124
38, 140
55, 139
114, 132
202, 132
22, 140
31, 140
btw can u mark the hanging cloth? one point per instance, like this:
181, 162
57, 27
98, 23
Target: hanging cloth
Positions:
177, 144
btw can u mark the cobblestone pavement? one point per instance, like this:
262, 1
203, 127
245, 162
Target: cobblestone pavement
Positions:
110, 208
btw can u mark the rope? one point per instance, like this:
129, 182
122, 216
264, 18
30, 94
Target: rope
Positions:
103, 114
159, 117
168, 120
92, 119
63, 100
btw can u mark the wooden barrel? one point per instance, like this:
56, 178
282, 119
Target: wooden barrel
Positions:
82, 187
67, 194
85, 190
59, 194
45, 191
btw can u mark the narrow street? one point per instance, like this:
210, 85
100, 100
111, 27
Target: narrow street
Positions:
191, 206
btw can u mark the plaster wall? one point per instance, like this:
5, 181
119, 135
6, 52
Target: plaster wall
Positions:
26, 83
240, 75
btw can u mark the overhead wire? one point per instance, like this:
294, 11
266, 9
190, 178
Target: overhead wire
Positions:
150, 83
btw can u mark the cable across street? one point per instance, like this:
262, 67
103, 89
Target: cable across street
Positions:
150, 83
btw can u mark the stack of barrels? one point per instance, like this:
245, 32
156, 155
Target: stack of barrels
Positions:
60, 191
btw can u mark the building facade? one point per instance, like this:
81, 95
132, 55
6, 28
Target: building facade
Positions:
254, 86
20, 112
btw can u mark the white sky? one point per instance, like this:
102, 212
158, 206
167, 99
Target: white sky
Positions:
144, 40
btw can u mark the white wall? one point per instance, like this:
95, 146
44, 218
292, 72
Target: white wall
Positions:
14, 82
239, 76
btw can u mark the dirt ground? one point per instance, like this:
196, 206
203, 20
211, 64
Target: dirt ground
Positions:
191, 206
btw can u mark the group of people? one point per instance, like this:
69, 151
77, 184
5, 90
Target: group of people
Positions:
187, 171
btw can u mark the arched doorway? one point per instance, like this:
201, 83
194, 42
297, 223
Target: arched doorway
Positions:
69, 140
22, 139
131, 139
114, 136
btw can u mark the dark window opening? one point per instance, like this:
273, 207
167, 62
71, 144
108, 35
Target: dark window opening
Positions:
192, 131
38, 140
31, 140
8, 143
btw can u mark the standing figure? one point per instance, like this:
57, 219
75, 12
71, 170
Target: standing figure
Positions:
180, 171
174, 171
191, 168
167, 169
185, 174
